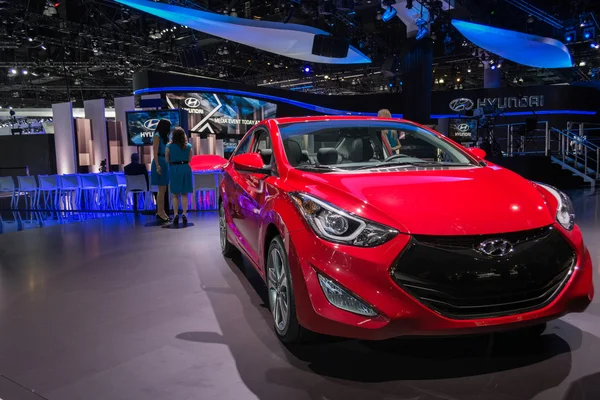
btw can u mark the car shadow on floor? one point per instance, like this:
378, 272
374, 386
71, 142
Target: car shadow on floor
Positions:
496, 366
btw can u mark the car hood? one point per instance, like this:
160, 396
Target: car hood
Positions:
457, 201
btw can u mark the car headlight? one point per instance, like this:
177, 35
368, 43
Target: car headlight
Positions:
336, 225
565, 213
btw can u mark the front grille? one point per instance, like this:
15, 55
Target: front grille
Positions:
451, 276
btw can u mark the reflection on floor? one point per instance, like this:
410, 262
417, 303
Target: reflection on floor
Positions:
14, 221
119, 308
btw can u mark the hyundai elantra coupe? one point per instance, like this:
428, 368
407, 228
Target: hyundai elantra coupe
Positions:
376, 228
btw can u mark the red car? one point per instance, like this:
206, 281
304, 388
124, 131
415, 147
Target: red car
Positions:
375, 228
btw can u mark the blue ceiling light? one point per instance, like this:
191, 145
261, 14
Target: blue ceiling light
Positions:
570, 35
522, 48
422, 32
390, 12
307, 69
290, 40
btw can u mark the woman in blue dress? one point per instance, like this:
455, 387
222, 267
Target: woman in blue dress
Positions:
179, 156
392, 136
159, 174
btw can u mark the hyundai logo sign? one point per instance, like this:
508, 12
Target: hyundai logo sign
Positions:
463, 128
495, 247
461, 104
192, 102
151, 124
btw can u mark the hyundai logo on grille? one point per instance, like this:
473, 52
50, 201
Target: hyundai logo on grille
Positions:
463, 127
151, 124
461, 104
192, 102
495, 247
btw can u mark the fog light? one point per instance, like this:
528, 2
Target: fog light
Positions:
341, 298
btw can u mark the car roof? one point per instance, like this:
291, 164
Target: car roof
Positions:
321, 118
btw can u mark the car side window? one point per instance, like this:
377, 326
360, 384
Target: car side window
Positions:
245, 145
262, 142
262, 146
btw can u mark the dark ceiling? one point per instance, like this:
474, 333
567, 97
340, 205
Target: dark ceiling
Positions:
53, 51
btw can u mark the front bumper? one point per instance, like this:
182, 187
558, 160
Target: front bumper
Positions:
366, 273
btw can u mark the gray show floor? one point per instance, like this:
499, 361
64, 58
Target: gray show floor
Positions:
120, 308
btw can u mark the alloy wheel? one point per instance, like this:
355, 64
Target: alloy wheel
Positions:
279, 298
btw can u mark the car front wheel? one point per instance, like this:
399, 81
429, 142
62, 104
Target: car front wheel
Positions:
281, 294
227, 248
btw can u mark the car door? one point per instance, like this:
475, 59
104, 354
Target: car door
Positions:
232, 180
249, 195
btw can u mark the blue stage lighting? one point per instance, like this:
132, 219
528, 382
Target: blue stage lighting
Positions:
307, 69
389, 13
587, 35
423, 31
493, 67
569, 38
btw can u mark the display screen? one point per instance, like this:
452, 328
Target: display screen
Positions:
462, 130
221, 114
141, 125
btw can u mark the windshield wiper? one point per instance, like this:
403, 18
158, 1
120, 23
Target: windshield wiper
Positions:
392, 164
319, 167
415, 164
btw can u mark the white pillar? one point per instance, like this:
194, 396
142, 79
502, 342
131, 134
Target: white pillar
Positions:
123, 104
94, 111
64, 138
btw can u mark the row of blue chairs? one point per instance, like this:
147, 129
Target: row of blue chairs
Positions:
102, 191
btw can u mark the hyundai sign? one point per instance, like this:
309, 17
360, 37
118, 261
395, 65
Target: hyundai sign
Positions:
462, 104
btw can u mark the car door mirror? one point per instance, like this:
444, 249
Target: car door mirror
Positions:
477, 153
250, 162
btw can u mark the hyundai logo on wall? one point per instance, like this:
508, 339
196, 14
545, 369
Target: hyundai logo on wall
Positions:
151, 124
463, 127
192, 102
461, 104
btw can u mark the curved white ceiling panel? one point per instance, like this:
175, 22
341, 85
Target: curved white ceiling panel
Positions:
289, 40
522, 48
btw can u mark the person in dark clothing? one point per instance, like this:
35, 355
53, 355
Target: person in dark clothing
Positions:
135, 168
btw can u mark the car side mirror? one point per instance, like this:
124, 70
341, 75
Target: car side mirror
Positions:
477, 153
250, 162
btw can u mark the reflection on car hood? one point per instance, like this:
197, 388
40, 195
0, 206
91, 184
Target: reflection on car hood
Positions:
461, 201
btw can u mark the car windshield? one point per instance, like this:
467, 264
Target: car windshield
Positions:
326, 146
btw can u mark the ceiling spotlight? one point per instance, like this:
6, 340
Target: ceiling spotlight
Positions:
493, 67
441, 80
570, 35
24, 72
423, 31
389, 13
306, 69
458, 79
12, 71
469, 69
43, 47
436, 81
582, 63
30, 39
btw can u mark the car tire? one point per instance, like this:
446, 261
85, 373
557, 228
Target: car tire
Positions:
227, 249
281, 294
